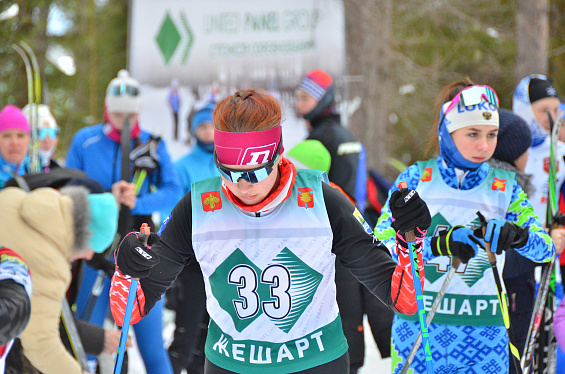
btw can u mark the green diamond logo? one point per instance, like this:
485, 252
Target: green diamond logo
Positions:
303, 285
189, 37
168, 38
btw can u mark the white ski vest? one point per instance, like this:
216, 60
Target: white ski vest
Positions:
471, 298
269, 280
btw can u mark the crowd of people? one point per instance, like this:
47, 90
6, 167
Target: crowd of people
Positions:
264, 253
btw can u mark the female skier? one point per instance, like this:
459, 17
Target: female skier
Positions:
266, 237
467, 334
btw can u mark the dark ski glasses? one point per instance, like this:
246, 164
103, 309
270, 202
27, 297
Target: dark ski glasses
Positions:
253, 175
473, 95
49, 131
123, 89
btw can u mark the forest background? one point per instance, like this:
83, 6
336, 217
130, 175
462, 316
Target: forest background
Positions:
399, 55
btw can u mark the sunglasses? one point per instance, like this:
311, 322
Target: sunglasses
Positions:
49, 131
253, 175
473, 95
123, 89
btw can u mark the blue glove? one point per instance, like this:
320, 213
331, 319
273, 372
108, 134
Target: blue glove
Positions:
459, 242
503, 235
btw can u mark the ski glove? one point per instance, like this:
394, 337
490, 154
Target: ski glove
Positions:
134, 258
503, 235
409, 211
459, 241
145, 156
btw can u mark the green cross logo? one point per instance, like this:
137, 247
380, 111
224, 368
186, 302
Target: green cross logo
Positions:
169, 38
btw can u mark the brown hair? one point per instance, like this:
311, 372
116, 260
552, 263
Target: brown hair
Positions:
246, 111
447, 93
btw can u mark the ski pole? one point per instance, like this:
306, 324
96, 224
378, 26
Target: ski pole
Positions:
74, 337
501, 299
144, 233
410, 237
456, 261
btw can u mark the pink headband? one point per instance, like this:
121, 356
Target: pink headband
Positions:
247, 148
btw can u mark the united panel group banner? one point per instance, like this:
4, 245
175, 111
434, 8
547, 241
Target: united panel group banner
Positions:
235, 44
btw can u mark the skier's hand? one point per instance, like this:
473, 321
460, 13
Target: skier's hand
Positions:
503, 235
409, 211
558, 237
124, 193
134, 258
459, 241
112, 341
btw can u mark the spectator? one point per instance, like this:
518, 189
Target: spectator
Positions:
14, 143
66, 225
47, 134
97, 151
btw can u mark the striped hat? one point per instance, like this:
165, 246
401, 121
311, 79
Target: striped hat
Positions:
316, 83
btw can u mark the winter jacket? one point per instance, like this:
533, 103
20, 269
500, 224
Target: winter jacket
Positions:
93, 152
194, 167
348, 167
8, 170
41, 227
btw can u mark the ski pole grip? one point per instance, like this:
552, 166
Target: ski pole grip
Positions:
409, 235
144, 232
491, 256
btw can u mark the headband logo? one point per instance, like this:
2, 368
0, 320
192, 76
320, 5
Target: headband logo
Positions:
551, 91
487, 115
258, 155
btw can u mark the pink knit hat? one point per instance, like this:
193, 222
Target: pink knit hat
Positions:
12, 118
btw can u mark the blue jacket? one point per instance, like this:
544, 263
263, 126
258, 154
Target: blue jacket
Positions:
197, 165
100, 158
8, 170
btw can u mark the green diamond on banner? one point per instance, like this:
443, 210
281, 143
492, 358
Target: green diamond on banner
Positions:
168, 38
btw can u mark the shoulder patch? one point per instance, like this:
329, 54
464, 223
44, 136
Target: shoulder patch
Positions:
306, 197
211, 201
499, 184
426, 175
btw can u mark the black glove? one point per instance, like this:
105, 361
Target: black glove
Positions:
503, 235
134, 258
99, 262
145, 156
459, 242
409, 211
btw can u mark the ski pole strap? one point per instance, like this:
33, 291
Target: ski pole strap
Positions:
456, 261
410, 237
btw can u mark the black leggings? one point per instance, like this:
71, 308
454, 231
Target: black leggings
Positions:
337, 366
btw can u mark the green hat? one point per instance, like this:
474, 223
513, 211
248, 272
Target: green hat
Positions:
103, 220
310, 154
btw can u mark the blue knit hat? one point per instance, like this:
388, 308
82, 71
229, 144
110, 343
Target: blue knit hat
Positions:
205, 114
514, 137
